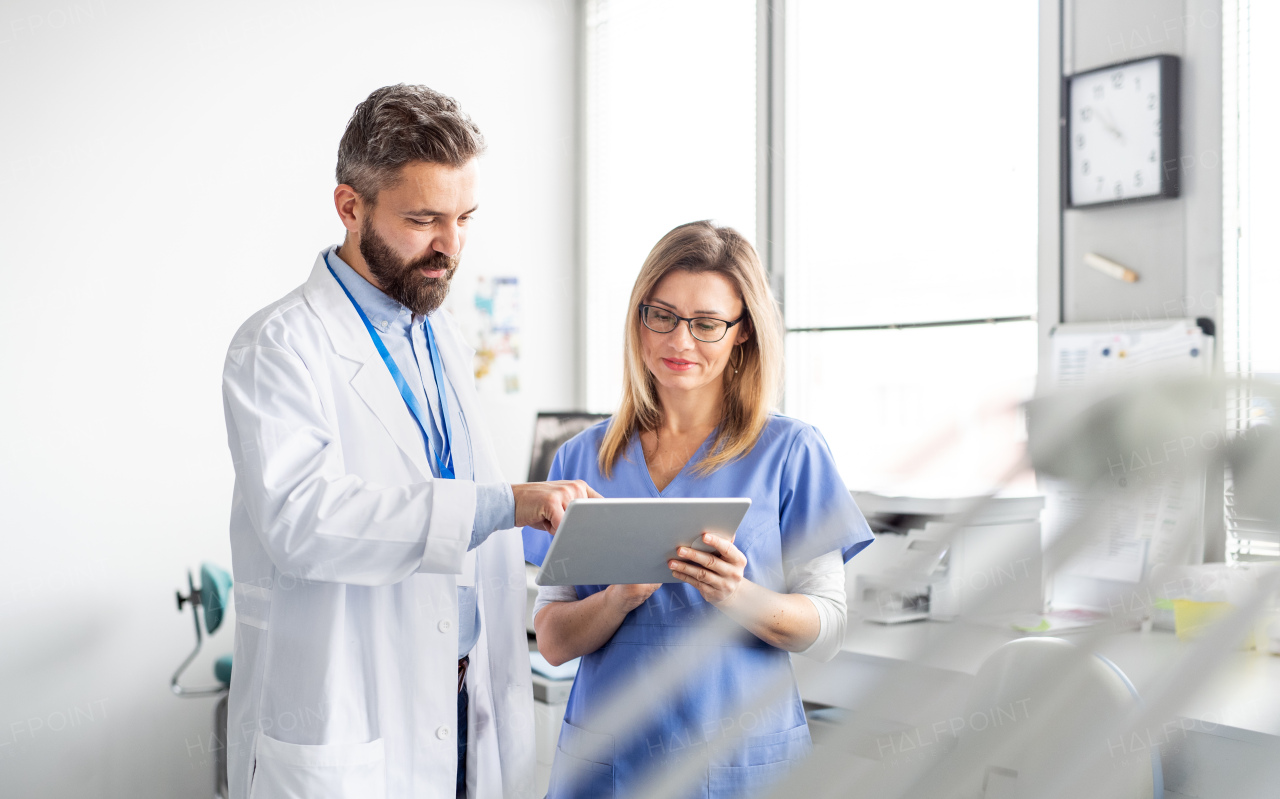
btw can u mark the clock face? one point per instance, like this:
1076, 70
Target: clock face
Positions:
1115, 134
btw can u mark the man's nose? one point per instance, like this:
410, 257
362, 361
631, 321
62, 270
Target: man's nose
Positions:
449, 242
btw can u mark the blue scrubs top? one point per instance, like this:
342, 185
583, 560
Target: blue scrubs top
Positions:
800, 509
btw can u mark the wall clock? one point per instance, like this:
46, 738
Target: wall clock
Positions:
1122, 133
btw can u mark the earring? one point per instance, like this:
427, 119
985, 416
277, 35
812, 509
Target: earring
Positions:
740, 357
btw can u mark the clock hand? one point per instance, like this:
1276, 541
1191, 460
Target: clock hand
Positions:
1107, 122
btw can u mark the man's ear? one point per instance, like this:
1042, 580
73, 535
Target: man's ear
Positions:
351, 207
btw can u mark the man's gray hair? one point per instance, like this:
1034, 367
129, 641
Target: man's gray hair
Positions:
398, 124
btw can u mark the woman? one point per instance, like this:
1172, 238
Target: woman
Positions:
702, 370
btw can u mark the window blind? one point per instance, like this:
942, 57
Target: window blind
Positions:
1251, 247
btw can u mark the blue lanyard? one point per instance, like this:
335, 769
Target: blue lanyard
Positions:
446, 432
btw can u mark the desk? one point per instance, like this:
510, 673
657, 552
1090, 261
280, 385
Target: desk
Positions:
898, 678
1244, 693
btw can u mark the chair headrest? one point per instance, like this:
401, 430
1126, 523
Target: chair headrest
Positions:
215, 594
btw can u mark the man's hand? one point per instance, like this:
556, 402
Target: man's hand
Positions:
542, 505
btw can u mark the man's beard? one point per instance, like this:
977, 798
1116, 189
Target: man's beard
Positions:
400, 279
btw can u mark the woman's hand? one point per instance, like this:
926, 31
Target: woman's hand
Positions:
567, 630
717, 575
787, 621
626, 598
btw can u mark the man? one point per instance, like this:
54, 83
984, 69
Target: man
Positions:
380, 593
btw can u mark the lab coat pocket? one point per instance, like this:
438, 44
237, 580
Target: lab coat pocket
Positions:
761, 761
583, 764
320, 771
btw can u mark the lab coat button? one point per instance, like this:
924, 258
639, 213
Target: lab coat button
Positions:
443, 733
444, 626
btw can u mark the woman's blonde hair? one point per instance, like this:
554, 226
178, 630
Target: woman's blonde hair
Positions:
749, 395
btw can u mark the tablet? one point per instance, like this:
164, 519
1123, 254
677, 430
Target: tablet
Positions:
620, 541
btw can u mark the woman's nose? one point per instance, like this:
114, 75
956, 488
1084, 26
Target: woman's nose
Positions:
684, 336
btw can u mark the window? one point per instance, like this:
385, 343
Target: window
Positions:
1251, 332
670, 138
911, 199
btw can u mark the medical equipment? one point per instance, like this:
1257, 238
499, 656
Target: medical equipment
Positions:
212, 597
921, 568
550, 430
1034, 700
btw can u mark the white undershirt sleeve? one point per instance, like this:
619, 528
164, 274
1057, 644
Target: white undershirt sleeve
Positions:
554, 593
821, 581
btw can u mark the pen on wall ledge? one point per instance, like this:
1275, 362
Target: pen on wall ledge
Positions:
1109, 267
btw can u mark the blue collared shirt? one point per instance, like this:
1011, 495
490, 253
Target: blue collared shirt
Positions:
406, 340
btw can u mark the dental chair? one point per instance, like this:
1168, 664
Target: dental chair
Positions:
211, 598
1039, 701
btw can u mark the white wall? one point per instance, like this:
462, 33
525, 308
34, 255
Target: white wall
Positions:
168, 169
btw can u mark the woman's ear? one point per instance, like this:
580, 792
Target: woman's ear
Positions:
744, 333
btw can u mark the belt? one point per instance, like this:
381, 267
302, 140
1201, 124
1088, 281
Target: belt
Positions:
462, 672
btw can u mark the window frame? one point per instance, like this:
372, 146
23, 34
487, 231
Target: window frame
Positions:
776, 232
774, 38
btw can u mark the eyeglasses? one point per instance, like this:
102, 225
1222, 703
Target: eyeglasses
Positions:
704, 328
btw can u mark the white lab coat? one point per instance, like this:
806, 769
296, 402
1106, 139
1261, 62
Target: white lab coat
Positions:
347, 556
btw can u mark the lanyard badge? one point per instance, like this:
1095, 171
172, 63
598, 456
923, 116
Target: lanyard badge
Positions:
445, 465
